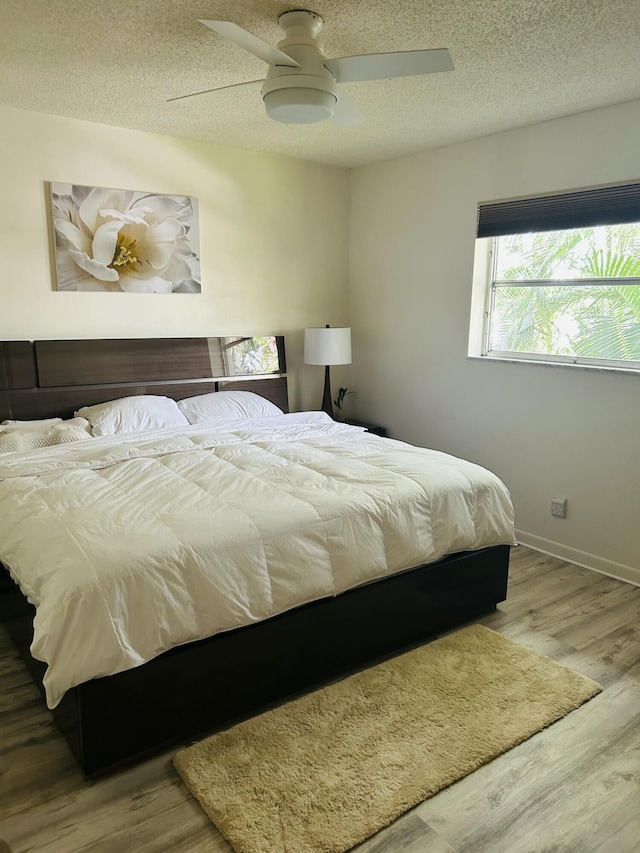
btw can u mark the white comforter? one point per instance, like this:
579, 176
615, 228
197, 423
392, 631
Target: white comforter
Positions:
129, 546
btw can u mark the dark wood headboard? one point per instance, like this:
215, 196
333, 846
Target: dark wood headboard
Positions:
41, 379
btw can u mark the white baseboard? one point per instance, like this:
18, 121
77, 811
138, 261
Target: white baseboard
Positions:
581, 558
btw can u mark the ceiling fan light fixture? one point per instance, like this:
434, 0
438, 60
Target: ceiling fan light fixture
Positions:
302, 86
299, 106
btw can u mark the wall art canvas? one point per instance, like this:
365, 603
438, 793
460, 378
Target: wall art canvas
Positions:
123, 241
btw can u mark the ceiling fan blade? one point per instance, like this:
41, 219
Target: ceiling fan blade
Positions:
346, 112
243, 38
217, 89
382, 66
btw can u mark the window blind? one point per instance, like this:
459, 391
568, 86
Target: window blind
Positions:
576, 209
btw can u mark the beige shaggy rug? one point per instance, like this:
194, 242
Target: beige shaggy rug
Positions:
323, 772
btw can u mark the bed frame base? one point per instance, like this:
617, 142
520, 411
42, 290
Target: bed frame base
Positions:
198, 688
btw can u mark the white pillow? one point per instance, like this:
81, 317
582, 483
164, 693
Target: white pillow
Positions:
133, 414
78, 425
22, 436
45, 424
227, 406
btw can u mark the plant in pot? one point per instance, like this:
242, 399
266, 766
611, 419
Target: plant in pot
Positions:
339, 413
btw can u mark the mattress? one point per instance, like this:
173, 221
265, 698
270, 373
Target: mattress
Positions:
131, 545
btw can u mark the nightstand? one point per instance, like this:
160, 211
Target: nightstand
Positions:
372, 428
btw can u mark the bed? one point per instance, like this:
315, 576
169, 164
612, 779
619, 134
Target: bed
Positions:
327, 605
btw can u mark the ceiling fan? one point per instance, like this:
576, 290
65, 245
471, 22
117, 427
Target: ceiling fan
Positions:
301, 86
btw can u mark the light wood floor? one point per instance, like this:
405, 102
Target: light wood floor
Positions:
573, 787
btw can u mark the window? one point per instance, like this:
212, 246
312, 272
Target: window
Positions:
557, 279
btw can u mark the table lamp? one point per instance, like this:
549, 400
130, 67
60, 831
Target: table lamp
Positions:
327, 346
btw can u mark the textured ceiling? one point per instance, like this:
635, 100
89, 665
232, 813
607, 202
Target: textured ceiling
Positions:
516, 62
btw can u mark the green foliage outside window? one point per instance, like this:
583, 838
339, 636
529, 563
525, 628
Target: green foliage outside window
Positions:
572, 293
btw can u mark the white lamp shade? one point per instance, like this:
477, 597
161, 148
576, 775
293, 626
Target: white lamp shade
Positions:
327, 346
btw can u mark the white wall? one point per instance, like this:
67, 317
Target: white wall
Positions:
273, 232
545, 430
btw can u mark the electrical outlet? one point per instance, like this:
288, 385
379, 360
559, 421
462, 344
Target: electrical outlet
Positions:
559, 507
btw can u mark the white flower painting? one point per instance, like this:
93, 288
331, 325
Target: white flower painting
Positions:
123, 241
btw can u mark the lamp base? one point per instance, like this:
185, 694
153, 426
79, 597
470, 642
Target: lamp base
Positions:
327, 404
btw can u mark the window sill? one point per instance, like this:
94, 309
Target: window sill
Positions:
600, 368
